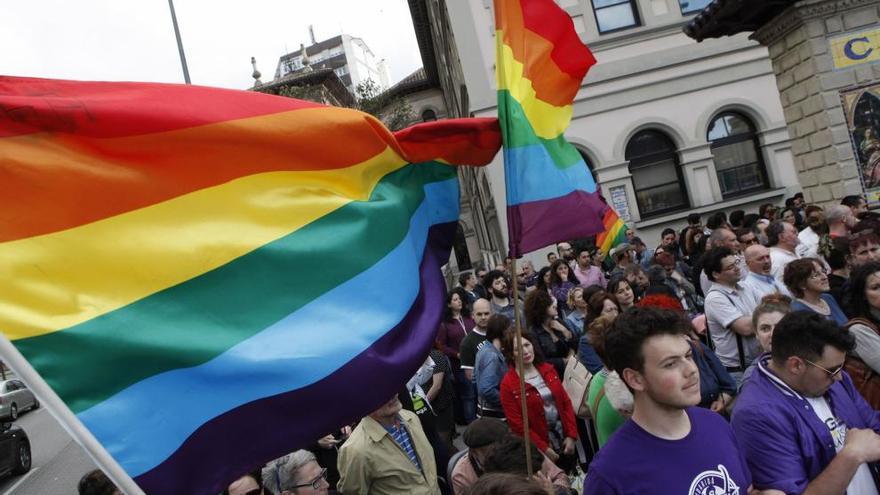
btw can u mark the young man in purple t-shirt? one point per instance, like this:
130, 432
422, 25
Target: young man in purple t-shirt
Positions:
669, 445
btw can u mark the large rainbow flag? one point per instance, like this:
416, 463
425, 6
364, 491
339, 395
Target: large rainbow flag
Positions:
540, 63
209, 279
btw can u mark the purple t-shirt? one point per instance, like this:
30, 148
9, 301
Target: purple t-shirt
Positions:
705, 462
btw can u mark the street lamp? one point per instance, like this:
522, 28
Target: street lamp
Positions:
179, 42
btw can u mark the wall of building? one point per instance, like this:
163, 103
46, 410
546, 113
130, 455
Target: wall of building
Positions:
810, 87
648, 77
363, 64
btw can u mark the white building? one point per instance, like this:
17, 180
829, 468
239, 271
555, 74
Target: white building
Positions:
668, 126
348, 56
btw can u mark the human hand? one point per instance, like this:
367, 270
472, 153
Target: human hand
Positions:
717, 405
346, 432
545, 482
551, 454
863, 444
327, 442
568, 446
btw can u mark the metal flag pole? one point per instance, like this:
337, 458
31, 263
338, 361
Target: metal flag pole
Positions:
179, 42
68, 420
527, 442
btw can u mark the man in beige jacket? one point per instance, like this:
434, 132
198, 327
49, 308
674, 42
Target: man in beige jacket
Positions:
388, 454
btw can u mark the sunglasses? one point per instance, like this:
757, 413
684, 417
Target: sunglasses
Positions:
831, 373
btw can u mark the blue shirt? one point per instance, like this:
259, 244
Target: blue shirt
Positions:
636, 462
785, 442
714, 377
588, 356
489, 369
836, 315
401, 437
575, 322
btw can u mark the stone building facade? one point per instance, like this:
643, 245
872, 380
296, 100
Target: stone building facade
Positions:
667, 126
808, 43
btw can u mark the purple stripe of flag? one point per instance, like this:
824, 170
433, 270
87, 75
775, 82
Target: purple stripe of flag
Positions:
541, 223
281, 424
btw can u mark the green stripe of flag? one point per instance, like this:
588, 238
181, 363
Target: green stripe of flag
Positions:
517, 132
195, 321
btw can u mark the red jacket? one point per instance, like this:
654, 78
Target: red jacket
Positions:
538, 431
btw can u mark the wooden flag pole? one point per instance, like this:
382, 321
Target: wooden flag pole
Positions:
65, 416
519, 368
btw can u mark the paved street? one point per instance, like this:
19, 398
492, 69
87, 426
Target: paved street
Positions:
58, 461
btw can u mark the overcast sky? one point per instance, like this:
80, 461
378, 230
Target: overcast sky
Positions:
120, 40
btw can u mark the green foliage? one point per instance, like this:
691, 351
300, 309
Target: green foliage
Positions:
395, 112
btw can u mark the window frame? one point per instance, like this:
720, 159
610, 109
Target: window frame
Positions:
642, 162
691, 12
637, 19
750, 136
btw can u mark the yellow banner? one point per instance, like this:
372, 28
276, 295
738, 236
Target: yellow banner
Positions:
856, 48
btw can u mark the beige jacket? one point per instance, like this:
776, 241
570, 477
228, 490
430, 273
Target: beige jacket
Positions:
371, 462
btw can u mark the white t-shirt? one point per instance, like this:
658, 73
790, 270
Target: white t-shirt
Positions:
862, 482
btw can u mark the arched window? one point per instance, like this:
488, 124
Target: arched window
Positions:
737, 155
429, 115
656, 175
588, 162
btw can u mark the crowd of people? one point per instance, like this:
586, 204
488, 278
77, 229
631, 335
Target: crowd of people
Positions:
739, 356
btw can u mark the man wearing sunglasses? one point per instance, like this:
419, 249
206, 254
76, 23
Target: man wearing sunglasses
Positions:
803, 426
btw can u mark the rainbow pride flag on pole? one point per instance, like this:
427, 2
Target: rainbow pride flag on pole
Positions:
207, 279
540, 63
614, 233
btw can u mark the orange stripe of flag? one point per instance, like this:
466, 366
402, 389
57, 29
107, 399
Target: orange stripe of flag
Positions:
551, 83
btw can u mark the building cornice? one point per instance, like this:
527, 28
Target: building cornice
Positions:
794, 16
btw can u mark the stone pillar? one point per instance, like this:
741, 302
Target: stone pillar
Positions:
809, 87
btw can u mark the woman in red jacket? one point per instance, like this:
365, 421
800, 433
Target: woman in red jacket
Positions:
552, 426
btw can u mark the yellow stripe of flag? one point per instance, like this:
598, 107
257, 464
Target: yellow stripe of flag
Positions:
54, 281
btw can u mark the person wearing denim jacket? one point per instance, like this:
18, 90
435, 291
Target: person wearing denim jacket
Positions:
490, 367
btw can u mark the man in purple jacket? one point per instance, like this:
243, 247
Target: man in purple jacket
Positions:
802, 425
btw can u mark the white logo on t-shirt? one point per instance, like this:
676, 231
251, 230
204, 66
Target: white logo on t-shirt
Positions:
713, 482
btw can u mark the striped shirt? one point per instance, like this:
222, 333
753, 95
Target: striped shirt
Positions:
401, 437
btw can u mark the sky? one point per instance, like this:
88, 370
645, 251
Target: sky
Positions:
125, 40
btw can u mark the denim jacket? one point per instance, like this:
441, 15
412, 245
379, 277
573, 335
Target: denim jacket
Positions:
489, 369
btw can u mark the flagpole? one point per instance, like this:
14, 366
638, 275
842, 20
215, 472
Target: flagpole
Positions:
527, 442
179, 42
68, 420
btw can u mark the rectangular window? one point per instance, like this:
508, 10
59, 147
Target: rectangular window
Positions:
612, 15
692, 6
666, 197
739, 168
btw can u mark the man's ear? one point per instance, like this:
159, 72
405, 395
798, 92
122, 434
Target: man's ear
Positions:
634, 379
795, 365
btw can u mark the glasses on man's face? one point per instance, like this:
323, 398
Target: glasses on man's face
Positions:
315, 483
728, 267
831, 373
749, 242
819, 274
